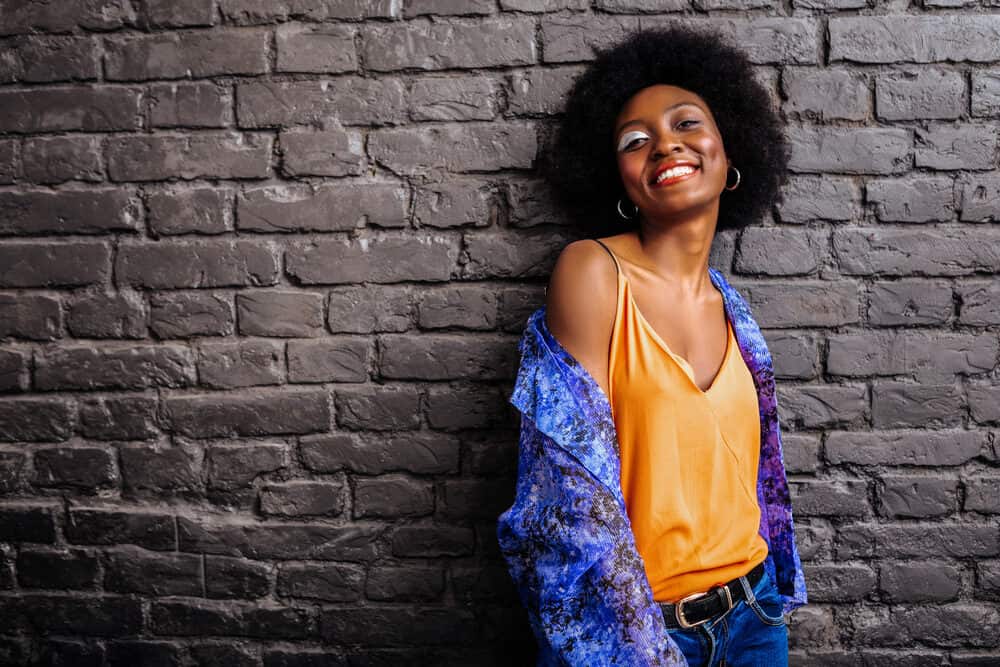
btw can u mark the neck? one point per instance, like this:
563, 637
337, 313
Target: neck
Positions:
677, 250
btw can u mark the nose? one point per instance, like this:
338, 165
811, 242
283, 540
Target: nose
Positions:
666, 142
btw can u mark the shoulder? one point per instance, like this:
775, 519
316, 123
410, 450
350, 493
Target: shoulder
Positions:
580, 304
583, 281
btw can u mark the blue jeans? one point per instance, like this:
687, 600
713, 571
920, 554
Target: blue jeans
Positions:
751, 634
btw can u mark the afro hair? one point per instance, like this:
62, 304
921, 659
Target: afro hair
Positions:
584, 173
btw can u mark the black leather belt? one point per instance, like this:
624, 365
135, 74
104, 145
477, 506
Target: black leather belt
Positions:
697, 608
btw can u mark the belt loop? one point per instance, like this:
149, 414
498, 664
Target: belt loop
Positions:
748, 589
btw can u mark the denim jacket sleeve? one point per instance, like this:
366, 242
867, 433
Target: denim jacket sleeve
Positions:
567, 538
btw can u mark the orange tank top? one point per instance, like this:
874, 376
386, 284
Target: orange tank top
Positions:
688, 457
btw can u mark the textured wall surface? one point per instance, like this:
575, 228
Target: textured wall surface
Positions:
263, 266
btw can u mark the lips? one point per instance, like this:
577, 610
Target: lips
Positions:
675, 179
672, 165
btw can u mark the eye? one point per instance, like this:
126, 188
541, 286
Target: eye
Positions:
688, 120
629, 138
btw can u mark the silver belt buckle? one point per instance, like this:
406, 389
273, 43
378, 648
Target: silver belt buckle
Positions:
679, 612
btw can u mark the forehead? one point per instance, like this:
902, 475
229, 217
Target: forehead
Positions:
651, 100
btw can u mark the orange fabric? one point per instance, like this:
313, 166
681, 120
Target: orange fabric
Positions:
688, 458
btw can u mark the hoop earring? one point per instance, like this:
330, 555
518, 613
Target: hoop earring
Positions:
738, 178
627, 217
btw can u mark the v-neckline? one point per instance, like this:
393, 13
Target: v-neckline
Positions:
685, 366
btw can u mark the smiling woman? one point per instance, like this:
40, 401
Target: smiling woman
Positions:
652, 523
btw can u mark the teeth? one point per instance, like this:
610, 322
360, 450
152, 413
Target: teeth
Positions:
676, 171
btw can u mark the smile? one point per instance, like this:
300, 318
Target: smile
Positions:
675, 175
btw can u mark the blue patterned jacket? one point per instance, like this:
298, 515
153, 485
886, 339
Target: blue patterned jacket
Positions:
567, 538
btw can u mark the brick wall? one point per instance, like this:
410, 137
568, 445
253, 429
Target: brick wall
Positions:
263, 266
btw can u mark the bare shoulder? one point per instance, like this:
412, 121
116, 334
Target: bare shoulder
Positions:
580, 305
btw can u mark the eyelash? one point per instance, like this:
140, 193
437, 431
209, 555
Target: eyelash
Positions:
687, 120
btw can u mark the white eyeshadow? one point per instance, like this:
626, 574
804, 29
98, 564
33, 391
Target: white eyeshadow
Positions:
627, 137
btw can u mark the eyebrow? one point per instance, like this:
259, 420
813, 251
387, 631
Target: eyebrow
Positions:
670, 108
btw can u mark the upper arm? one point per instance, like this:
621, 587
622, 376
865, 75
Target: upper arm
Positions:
580, 305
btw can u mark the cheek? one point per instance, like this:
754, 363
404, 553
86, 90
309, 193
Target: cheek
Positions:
630, 166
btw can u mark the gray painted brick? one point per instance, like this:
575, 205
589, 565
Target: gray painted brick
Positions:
323, 49
448, 7
779, 251
183, 210
188, 314
121, 314
341, 359
281, 313
981, 495
215, 154
984, 402
420, 452
912, 301
979, 195
246, 363
959, 147
376, 408
980, 303
915, 199
821, 94
572, 37
173, 14
44, 264
187, 53
867, 150
841, 582
369, 308
445, 98
348, 100
331, 152
794, 354
380, 259
540, 91
927, 581
56, 160
911, 93
190, 105
813, 303
80, 108
207, 264
917, 496
985, 93
904, 447
900, 405
454, 202
461, 147
392, 495
465, 307
41, 212
257, 12
815, 406
920, 39
927, 358
326, 208
42, 59
444, 44
942, 252
807, 198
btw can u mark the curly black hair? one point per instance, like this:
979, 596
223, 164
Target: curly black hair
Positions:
584, 173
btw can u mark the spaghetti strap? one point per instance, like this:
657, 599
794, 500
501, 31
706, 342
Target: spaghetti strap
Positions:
617, 267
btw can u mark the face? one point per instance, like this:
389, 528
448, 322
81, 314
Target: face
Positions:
656, 127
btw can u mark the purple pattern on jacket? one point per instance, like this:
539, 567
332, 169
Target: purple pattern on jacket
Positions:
567, 538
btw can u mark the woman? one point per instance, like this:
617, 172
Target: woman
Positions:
652, 523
